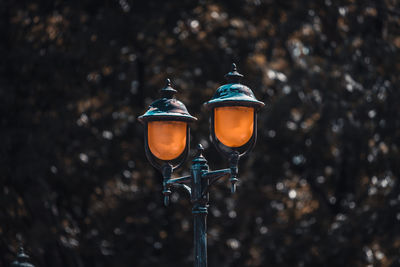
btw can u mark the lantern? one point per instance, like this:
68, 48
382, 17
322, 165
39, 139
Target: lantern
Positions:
233, 116
167, 130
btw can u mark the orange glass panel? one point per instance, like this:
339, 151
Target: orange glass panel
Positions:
167, 139
233, 125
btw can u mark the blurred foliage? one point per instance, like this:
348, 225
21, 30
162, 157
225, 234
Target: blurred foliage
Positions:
320, 189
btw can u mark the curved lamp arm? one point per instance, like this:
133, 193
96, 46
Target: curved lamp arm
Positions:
181, 182
210, 176
167, 170
214, 176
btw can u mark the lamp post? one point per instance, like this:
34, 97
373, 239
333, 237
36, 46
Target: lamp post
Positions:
233, 126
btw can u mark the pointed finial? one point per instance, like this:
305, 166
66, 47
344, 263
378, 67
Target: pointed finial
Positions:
233, 76
234, 67
200, 150
168, 91
199, 158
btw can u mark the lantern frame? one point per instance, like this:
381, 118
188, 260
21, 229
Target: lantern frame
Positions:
229, 95
167, 108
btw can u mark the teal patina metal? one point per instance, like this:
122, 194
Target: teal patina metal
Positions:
198, 183
234, 93
167, 107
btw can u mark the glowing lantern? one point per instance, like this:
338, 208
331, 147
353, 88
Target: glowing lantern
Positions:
167, 139
234, 114
166, 127
234, 125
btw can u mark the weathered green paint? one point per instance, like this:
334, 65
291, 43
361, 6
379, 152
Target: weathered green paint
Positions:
167, 108
234, 93
198, 183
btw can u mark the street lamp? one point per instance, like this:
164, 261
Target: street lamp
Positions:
233, 126
167, 135
233, 121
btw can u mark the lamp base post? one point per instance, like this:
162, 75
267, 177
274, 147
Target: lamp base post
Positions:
199, 198
200, 236
198, 184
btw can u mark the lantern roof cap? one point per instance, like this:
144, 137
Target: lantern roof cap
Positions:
167, 108
234, 93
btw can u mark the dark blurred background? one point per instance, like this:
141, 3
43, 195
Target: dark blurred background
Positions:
320, 189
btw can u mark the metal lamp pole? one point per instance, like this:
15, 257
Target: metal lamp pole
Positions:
200, 179
233, 102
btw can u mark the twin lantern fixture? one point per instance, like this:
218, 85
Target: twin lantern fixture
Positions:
233, 126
